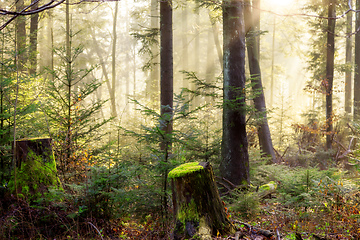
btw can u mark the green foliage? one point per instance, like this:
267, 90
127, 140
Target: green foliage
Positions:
74, 117
297, 187
245, 205
20, 89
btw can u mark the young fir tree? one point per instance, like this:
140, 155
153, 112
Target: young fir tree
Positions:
74, 118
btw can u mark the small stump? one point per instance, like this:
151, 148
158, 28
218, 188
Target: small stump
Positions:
35, 169
197, 206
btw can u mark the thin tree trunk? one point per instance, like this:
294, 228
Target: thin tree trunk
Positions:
152, 85
348, 60
166, 85
184, 42
264, 135
330, 70
357, 67
272, 64
216, 40
196, 101
235, 159
21, 36
256, 19
33, 40
113, 64
210, 63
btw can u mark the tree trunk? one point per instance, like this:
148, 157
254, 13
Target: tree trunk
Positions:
357, 67
34, 22
113, 64
210, 63
330, 71
152, 85
216, 39
184, 42
235, 158
348, 61
20, 36
36, 168
264, 134
197, 206
166, 85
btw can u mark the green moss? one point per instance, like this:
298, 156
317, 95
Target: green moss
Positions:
35, 176
188, 212
185, 169
269, 186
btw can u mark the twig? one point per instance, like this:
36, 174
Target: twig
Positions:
263, 232
96, 230
227, 181
352, 129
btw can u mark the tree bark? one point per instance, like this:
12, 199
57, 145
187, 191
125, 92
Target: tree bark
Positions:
348, 61
235, 158
264, 134
357, 66
197, 206
34, 22
330, 71
113, 64
166, 85
20, 36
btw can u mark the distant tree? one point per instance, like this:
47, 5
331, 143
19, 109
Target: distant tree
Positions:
112, 86
152, 85
348, 62
21, 36
357, 67
252, 44
330, 71
235, 158
34, 22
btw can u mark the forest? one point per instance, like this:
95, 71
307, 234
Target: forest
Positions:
176, 119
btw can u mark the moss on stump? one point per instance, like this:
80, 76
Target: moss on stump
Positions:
197, 206
36, 169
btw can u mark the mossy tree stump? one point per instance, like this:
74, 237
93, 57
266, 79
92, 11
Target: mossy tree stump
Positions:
197, 206
35, 169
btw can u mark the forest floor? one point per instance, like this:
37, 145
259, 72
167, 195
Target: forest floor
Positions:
298, 209
19, 220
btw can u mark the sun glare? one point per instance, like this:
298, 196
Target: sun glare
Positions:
280, 5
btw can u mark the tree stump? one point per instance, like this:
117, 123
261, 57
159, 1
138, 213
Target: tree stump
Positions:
35, 169
198, 209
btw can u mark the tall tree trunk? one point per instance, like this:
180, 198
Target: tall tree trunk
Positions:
210, 63
256, 19
235, 159
330, 70
34, 22
357, 67
272, 64
264, 135
166, 84
69, 84
20, 36
152, 85
216, 39
348, 60
184, 42
196, 101
113, 64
